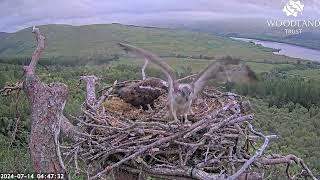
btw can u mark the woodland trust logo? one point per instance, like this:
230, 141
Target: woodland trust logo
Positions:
293, 8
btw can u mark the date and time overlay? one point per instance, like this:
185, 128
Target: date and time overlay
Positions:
32, 176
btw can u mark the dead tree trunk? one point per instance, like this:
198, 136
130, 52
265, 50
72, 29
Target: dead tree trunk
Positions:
47, 104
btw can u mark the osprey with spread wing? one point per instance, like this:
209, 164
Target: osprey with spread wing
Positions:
181, 95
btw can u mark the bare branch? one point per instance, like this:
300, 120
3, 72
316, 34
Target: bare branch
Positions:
187, 78
36, 54
90, 89
143, 69
257, 154
106, 94
288, 159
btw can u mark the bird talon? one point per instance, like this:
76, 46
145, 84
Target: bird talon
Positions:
149, 108
187, 122
192, 112
174, 122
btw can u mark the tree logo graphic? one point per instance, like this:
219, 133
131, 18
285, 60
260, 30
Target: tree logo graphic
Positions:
293, 8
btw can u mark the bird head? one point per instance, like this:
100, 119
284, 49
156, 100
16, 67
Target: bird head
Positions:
184, 91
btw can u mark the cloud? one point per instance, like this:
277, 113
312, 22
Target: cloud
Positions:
18, 14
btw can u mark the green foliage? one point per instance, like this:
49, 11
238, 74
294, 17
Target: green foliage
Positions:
280, 88
298, 130
280, 92
14, 159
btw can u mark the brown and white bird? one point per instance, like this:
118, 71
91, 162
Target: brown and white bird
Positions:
181, 95
143, 93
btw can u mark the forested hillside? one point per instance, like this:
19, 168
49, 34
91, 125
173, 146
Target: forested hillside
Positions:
252, 28
305, 39
92, 42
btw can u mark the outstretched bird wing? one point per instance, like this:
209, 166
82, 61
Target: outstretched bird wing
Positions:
166, 69
201, 80
225, 69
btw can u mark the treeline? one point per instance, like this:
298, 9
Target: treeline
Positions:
280, 92
280, 89
64, 61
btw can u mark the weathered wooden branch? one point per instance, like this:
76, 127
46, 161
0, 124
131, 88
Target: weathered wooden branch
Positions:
30, 70
187, 78
90, 89
144, 69
69, 131
287, 159
255, 156
106, 94
47, 103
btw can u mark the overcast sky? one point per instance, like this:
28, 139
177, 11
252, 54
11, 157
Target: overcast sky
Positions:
18, 14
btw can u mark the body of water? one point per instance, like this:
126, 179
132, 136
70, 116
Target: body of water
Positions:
287, 49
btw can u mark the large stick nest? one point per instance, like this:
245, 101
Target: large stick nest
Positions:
220, 143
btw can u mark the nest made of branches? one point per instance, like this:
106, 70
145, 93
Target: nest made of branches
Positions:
219, 144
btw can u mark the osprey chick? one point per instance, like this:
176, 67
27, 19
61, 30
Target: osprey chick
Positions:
143, 93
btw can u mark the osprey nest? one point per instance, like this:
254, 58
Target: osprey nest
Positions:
220, 143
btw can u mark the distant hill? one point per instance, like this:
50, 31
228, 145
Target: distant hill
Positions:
90, 41
309, 39
254, 28
306, 39
3, 35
